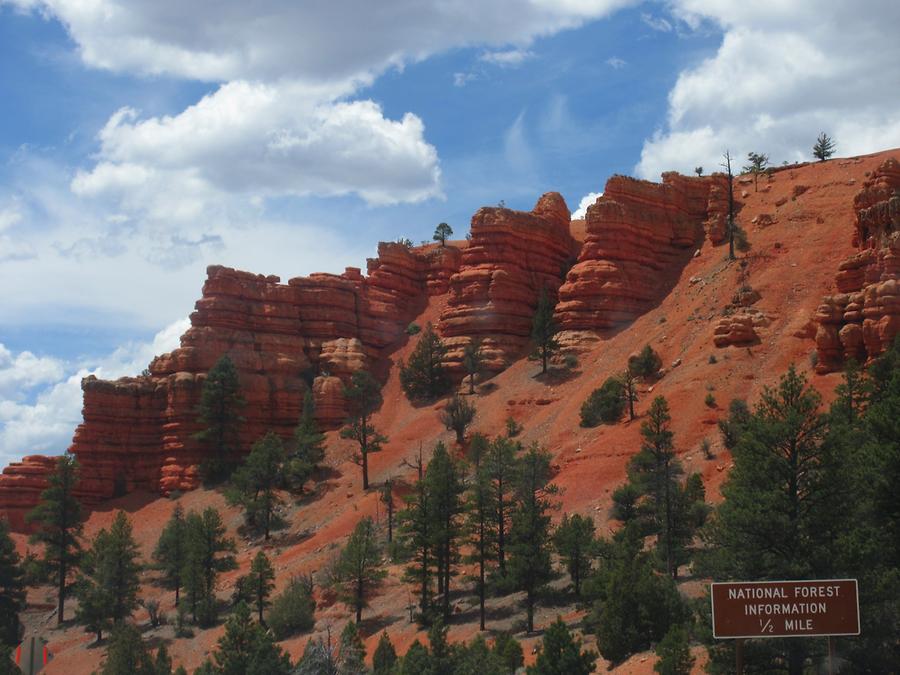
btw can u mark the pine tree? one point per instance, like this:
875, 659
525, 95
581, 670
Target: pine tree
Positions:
358, 572
387, 498
308, 448
529, 547
544, 330
824, 147
247, 649
423, 377
508, 649
261, 581
416, 523
473, 361
633, 606
442, 232
58, 517
171, 549
674, 653
107, 590
478, 502
12, 587
385, 656
128, 654
561, 653
778, 519
574, 541
445, 486
292, 610
457, 415
363, 399
220, 405
254, 484
605, 404
352, 651
500, 465
209, 552
758, 163
655, 472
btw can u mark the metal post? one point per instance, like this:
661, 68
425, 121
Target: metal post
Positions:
739, 656
831, 670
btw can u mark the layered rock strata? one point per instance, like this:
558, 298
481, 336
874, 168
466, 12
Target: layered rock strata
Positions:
140, 432
511, 257
638, 234
863, 318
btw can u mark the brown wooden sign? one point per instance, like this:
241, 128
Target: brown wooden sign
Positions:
769, 609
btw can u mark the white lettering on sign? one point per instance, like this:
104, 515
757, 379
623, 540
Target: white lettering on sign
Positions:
786, 608
764, 593
798, 624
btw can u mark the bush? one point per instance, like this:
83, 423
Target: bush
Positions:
646, 364
513, 428
713, 359
674, 653
413, 329
570, 361
292, 610
604, 405
710, 400
706, 447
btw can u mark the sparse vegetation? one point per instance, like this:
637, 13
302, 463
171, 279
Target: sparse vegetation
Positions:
605, 405
645, 364
543, 331
424, 377
413, 328
824, 147
457, 415
292, 610
758, 164
710, 400
442, 233
363, 396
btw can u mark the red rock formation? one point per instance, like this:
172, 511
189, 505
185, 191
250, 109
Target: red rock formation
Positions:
863, 319
637, 233
511, 256
22, 483
739, 328
139, 433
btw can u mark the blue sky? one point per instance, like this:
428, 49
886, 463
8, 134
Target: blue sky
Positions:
141, 141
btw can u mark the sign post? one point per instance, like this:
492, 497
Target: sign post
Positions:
32, 655
781, 609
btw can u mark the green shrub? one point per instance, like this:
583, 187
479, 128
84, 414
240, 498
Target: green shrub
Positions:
292, 610
674, 652
570, 361
646, 364
513, 428
604, 405
413, 328
712, 358
710, 400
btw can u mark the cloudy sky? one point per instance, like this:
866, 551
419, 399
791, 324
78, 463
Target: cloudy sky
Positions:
141, 140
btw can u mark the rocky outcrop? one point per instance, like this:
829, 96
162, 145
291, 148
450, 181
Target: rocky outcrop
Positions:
639, 235
22, 483
511, 256
739, 328
863, 318
140, 432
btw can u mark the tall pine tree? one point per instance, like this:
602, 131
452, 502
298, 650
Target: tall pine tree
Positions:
423, 377
12, 587
58, 518
544, 330
445, 485
171, 550
255, 484
358, 572
529, 562
363, 399
209, 552
307, 450
220, 405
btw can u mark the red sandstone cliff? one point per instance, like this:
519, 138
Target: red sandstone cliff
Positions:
638, 237
511, 256
864, 317
315, 331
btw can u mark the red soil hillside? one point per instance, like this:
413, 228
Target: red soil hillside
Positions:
646, 267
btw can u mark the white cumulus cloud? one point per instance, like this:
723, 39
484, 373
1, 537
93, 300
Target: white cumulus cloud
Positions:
586, 201
783, 73
46, 424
